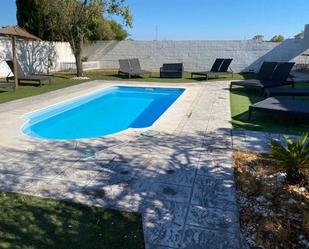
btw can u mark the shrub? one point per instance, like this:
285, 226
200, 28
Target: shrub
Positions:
277, 38
84, 58
292, 157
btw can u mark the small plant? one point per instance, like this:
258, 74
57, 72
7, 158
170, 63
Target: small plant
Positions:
84, 58
292, 157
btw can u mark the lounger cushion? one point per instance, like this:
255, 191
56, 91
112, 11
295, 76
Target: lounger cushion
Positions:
259, 84
2, 84
171, 70
288, 92
266, 70
251, 83
285, 106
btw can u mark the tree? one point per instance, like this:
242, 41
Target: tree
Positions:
73, 20
119, 33
277, 38
31, 16
107, 30
258, 38
291, 158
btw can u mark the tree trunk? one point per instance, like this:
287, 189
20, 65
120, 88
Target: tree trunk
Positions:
79, 64
293, 176
76, 46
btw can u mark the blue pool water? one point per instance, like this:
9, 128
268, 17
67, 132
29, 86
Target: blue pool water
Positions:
102, 113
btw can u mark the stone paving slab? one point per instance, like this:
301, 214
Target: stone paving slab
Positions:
200, 238
213, 219
216, 193
181, 181
256, 141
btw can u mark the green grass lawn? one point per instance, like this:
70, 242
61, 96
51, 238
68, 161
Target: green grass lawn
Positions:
241, 98
34, 223
62, 80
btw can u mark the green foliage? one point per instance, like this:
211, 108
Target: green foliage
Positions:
292, 157
107, 30
119, 32
258, 38
73, 20
300, 35
32, 16
277, 38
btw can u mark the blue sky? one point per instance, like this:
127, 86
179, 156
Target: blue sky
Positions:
205, 19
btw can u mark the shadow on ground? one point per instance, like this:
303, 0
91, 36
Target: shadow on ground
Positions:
183, 185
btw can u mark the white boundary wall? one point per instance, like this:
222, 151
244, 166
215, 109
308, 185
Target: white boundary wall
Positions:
34, 56
198, 55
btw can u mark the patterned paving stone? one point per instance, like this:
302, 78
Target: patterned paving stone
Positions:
63, 190
255, 141
163, 230
217, 193
199, 238
171, 210
188, 165
81, 175
142, 186
166, 171
171, 192
152, 246
50, 171
217, 166
20, 184
213, 218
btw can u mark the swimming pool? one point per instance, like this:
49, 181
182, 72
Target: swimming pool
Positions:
102, 113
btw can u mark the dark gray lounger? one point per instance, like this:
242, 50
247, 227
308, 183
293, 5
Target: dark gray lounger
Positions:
220, 66
7, 85
136, 67
171, 70
287, 92
291, 107
278, 76
26, 77
131, 67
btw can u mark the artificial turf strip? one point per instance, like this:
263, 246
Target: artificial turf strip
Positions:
62, 80
241, 99
28, 222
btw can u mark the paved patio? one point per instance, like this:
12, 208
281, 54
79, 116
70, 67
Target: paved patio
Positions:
256, 141
181, 181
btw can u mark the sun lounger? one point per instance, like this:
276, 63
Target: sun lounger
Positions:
291, 107
136, 67
220, 66
171, 70
26, 77
271, 74
124, 68
7, 85
131, 67
287, 92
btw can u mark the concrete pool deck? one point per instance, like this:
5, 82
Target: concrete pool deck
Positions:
181, 181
